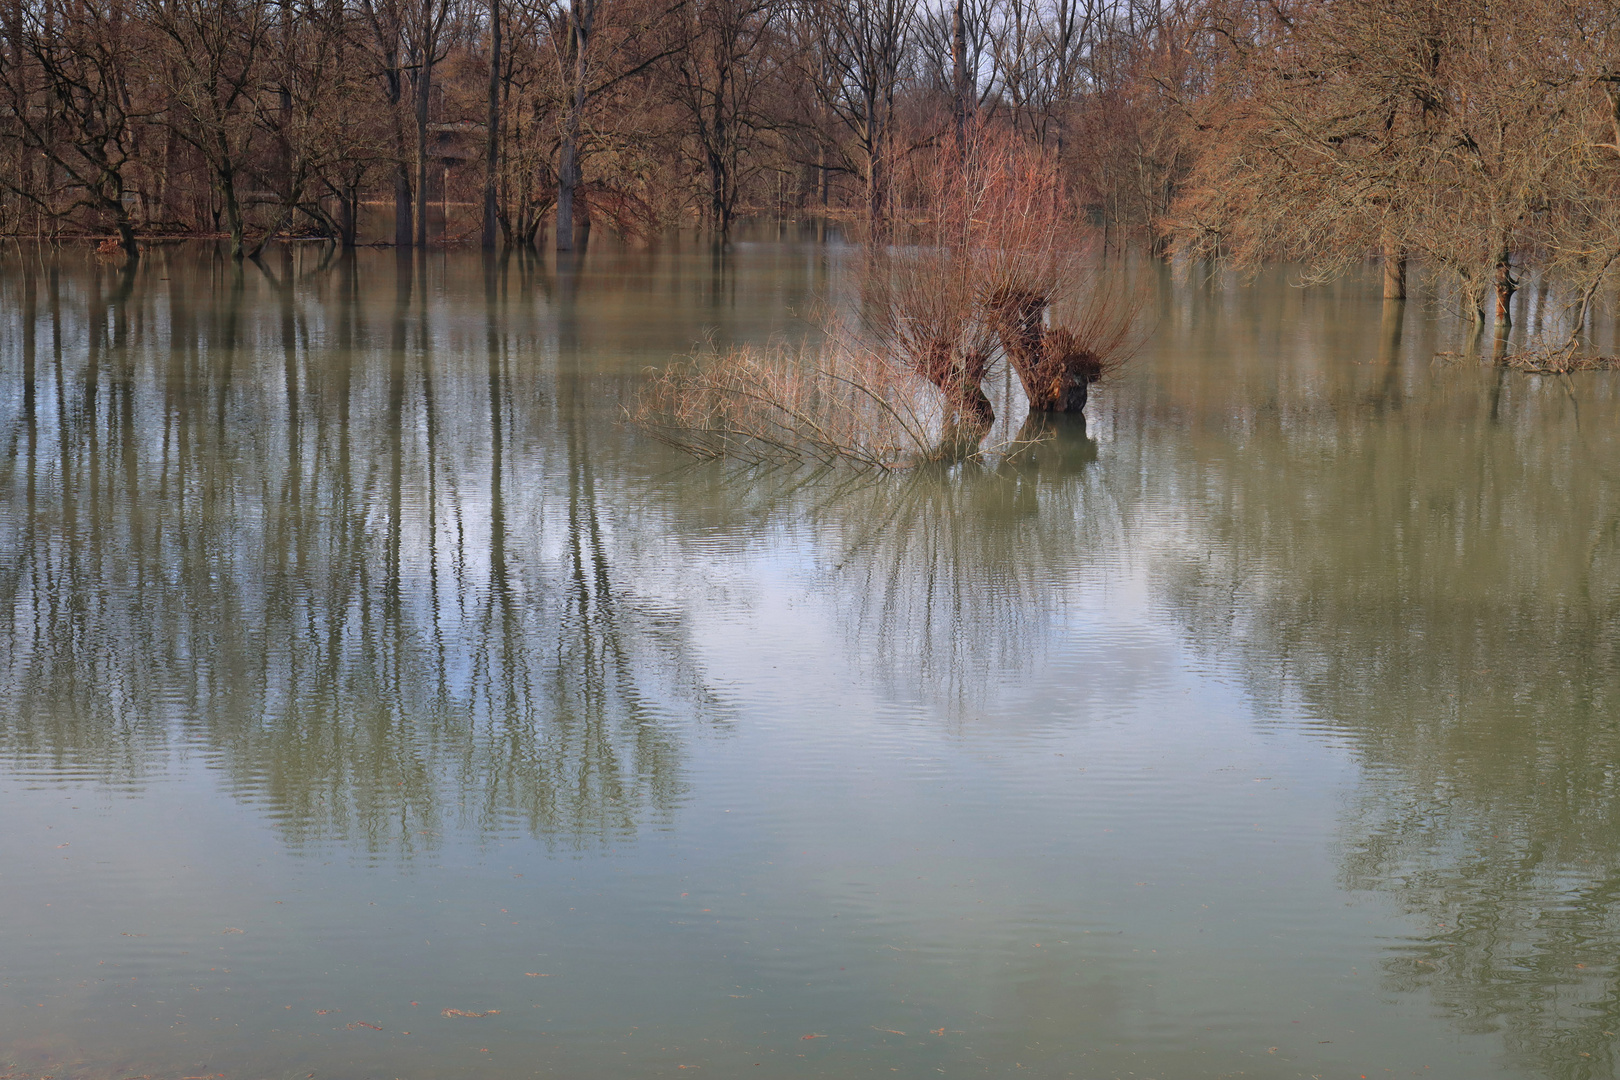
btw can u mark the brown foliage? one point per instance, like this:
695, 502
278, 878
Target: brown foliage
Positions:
1471, 135
834, 405
1558, 360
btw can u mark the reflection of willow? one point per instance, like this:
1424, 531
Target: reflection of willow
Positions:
949, 578
1433, 570
313, 565
954, 578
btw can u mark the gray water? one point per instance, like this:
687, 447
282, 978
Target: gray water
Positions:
363, 671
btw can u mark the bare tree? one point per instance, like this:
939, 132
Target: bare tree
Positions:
598, 46
1461, 135
863, 47
386, 20
492, 129
719, 83
424, 37
213, 56
67, 82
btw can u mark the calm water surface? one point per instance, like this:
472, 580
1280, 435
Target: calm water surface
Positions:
362, 674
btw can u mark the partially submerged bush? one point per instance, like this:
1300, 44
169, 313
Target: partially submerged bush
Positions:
830, 406
1560, 360
836, 405
1538, 357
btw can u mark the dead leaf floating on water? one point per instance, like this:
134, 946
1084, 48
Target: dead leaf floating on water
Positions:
363, 1024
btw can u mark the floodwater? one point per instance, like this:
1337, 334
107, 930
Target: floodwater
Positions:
376, 704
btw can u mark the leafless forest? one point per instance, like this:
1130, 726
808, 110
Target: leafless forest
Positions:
1478, 137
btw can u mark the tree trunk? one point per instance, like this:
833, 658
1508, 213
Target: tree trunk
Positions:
402, 169
424, 85
402, 206
492, 129
875, 180
1394, 272
567, 179
126, 237
1506, 286
959, 379
719, 203
233, 213
171, 166
568, 172
1053, 365
348, 212
582, 229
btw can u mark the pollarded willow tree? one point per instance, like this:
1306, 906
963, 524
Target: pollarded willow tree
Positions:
1469, 134
990, 266
996, 266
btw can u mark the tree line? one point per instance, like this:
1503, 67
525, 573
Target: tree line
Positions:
1481, 138
257, 118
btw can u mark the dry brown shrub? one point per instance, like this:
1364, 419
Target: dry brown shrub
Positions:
832, 406
1558, 360
1538, 358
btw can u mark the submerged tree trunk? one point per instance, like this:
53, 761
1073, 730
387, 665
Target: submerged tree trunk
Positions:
582, 229
402, 206
567, 178
126, 238
348, 215
968, 412
233, 213
1506, 286
876, 204
1394, 272
1054, 367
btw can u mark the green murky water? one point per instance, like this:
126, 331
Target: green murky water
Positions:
362, 671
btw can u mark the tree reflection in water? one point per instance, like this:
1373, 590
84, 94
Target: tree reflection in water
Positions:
1431, 569
352, 552
949, 582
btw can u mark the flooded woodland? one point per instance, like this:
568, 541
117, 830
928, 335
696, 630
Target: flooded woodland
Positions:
378, 701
